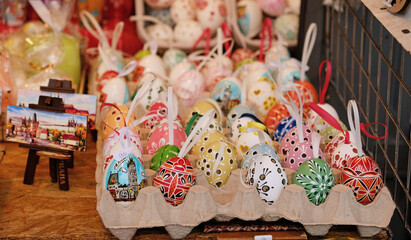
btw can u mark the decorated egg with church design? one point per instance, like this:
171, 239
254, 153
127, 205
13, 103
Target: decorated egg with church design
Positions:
124, 178
218, 168
174, 178
227, 94
268, 176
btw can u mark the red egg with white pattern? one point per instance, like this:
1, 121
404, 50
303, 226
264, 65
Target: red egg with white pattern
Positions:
160, 137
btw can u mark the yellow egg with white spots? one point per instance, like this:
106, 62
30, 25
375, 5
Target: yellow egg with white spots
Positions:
205, 139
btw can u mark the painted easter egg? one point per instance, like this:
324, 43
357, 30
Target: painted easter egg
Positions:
203, 107
158, 4
159, 111
159, 137
285, 125
188, 87
114, 145
172, 57
294, 6
178, 70
363, 176
336, 141
268, 176
115, 120
247, 140
163, 154
114, 91
276, 54
275, 116
215, 69
251, 77
124, 179
290, 72
187, 32
174, 178
236, 112
261, 98
256, 150
213, 126
300, 153
207, 138
183, 10
160, 32
327, 131
307, 92
218, 168
237, 124
249, 17
312, 115
342, 154
211, 13
241, 54
291, 139
156, 92
273, 8
227, 94
287, 26
153, 64
317, 179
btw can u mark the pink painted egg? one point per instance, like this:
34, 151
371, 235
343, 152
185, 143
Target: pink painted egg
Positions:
273, 8
174, 178
300, 153
160, 111
291, 139
188, 87
160, 137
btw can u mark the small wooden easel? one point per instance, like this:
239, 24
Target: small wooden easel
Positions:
59, 160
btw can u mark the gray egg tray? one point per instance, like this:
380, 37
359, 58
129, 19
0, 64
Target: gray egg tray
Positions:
234, 200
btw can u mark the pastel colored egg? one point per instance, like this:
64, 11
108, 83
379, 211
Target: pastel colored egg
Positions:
178, 70
342, 154
211, 13
273, 8
261, 98
287, 26
300, 153
236, 112
258, 150
183, 10
363, 176
158, 4
116, 119
290, 72
163, 154
256, 75
174, 178
172, 57
277, 54
207, 138
187, 32
326, 107
268, 176
156, 92
217, 168
247, 140
124, 179
160, 112
241, 54
160, 32
153, 64
203, 107
291, 139
160, 137
227, 94
215, 69
294, 6
249, 17
317, 179
188, 87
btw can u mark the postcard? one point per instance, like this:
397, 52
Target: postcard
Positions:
49, 129
80, 104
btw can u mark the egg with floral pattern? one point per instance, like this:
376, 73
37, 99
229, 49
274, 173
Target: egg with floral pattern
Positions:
216, 68
342, 154
159, 137
261, 98
336, 141
268, 176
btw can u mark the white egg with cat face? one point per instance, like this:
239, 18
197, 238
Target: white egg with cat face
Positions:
211, 13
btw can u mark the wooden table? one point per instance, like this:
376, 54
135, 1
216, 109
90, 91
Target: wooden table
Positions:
42, 210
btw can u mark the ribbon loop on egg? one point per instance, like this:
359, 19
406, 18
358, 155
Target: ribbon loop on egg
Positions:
170, 116
316, 141
206, 34
355, 124
309, 41
266, 29
363, 126
294, 112
143, 89
323, 88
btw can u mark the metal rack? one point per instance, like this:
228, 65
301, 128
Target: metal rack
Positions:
371, 67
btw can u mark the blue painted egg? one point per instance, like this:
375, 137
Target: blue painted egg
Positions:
283, 127
258, 150
236, 112
227, 94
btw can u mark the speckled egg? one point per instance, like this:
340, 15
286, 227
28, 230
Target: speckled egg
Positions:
268, 176
317, 179
163, 154
160, 32
300, 153
213, 126
236, 112
227, 94
174, 178
204, 106
183, 10
218, 169
237, 123
206, 138
342, 154
336, 141
115, 119
156, 92
261, 98
363, 176
275, 116
258, 150
247, 140
172, 57
159, 137
283, 127
124, 179
188, 32
327, 131
216, 68
290, 140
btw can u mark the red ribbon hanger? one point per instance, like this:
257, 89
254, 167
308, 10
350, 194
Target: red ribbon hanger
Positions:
323, 90
227, 34
206, 34
266, 28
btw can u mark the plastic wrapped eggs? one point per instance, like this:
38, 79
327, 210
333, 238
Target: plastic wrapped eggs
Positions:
216, 167
174, 178
268, 176
317, 179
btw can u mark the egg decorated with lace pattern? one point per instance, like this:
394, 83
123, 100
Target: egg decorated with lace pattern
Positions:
317, 179
300, 153
258, 150
291, 138
336, 141
268, 176
206, 138
218, 168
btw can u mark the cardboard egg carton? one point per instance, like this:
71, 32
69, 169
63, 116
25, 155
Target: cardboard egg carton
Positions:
234, 200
